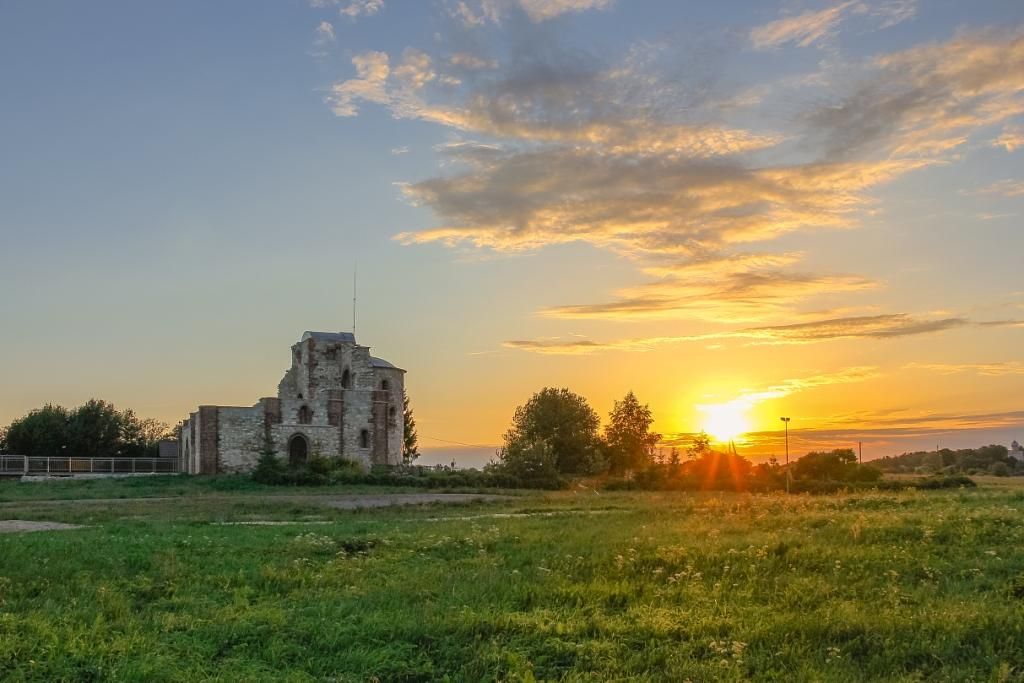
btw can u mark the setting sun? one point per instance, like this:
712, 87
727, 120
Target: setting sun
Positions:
726, 421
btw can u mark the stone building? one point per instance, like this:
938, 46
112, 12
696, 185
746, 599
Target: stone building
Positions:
336, 399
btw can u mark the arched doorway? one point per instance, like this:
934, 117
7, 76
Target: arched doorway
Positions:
298, 449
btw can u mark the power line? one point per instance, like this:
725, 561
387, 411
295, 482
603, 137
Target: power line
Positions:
472, 445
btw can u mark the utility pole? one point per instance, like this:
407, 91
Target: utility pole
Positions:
860, 452
785, 421
355, 274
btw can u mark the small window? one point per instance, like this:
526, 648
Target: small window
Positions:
385, 385
300, 395
346, 379
305, 415
364, 439
392, 411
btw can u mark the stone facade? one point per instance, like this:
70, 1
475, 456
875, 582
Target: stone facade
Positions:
336, 400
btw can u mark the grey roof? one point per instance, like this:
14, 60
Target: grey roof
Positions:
381, 363
344, 337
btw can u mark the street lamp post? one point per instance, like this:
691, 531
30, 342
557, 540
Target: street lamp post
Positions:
785, 421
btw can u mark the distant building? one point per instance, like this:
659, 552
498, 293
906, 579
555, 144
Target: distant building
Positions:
167, 448
1016, 451
336, 399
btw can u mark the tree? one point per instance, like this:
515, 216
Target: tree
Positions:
699, 445
555, 425
95, 429
269, 469
628, 435
41, 433
837, 465
410, 449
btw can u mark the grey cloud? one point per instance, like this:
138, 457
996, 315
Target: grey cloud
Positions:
927, 99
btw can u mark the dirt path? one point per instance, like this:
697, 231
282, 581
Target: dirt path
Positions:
350, 501
13, 526
356, 501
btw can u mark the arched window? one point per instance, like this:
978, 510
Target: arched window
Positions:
305, 415
346, 379
385, 385
364, 439
298, 449
392, 411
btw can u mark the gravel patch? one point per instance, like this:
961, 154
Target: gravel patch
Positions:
355, 502
14, 526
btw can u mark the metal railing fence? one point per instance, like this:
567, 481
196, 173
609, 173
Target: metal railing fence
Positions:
22, 464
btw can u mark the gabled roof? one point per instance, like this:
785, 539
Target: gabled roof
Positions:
344, 337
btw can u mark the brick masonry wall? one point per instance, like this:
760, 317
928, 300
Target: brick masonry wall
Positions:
209, 438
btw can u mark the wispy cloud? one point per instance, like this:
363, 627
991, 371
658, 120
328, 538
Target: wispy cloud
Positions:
1012, 138
351, 8
893, 12
731, 412
804, 29
468, 60
816, 27
986, 369
739, 297
1004, 188
323, 36
929, 99
792, 386
362, 8
888, 326
372, 71
480, 12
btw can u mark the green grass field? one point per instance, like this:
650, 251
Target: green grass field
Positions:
572, 586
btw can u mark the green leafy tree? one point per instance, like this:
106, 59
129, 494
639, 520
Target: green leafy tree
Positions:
410, 447
95, 429
531, 463
629, 438
555, 425
41, 433
837, 465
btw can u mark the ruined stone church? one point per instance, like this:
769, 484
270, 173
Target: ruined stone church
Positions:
336, 399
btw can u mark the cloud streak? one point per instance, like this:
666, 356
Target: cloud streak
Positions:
888, 326
984, 369
802, 30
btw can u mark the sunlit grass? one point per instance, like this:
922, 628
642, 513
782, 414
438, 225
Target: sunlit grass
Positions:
894, 586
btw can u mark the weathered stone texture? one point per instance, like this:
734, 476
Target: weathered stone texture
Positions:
335, 396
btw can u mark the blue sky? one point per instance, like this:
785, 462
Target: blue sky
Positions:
600, 194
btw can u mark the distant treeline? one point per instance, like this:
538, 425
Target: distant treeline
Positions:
994, 459
555, 441
95, 429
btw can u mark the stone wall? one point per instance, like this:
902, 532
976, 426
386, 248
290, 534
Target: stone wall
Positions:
334, 395
241, 436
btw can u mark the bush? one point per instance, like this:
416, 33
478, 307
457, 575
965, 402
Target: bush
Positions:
270, 469
949, 482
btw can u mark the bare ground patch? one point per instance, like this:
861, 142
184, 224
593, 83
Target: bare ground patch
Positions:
13, 526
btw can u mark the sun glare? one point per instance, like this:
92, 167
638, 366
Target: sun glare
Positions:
725, 421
